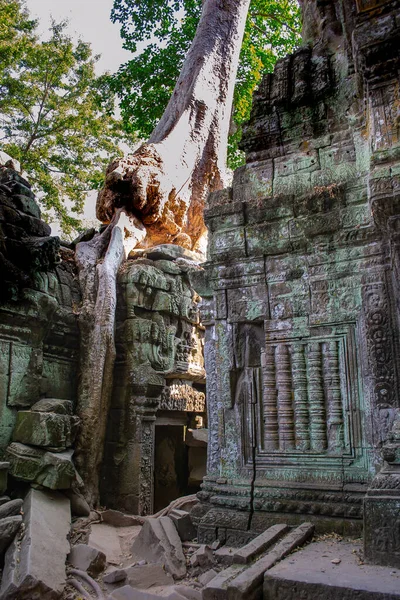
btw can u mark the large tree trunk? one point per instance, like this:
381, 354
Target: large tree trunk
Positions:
165, 184
98, 262
166, 181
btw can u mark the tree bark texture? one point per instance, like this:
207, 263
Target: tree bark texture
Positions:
165, 182
98, 262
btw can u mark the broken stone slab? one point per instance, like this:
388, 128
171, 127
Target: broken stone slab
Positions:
4, 466
115, 576
203, 557
9, 527
105, 538
248, 552
52, 470
217, 588
79, 506
183, 523
197, 438
11, 508
148, 576
207, 576
35, 564
127, 592
248, 584
224, 555
166, 252
119, 519
45, 429
86, 558
159, 542
53, 405
4, 499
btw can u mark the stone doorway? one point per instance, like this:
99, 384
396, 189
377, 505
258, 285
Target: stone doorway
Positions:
180, 456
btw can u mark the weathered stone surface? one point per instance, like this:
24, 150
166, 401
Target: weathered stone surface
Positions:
45, 429
203, 557
115, 576
4, 466
52, 470
183, 524
310, 573
9, 527
86, 558
175, 592
53, 405
224, 555
79, 506
159, 542
148, 576
35, 566
9, 509
206, 577
248, 552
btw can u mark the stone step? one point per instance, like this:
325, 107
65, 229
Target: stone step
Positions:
250, 551
245, 581
331, 571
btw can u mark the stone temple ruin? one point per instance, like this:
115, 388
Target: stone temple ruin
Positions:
265, 379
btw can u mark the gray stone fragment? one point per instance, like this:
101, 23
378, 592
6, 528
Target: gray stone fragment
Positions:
11, 508
183, 524
8, 530
147, 576
197, 438
4, 466
115, 576
159, 542
224, 555
54, 405
52, 470
45, 429
207, 576
86, 558
175, 592
4, 499
35, 565
203, 557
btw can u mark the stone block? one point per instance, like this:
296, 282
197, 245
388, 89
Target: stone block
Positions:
45, 429
217, 588
53, 405
147, 576
159, 542
224, 555
9, 527
119, 519
115, 576
86, 558
196, 438
203, 557
35, 566
207, 576
52, 470
183, 524
10, 509
259, 544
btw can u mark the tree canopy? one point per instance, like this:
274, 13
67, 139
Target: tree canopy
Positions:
161, 31
56, 114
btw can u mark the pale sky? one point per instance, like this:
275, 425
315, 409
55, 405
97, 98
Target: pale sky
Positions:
90, 20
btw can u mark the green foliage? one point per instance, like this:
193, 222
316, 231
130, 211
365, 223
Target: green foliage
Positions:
167, 27
56, 114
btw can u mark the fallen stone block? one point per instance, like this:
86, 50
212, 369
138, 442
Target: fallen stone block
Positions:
86, 558
52, 470
35, 565
9, 527
79, 506
217, 588
4, 499
105, 538
53, 405
224, 555
45, 429
248, 552
207, 576
127, 592
183, 523
203, 557
119, 519
147, 576
11, 508
159, 542
115, 576
249, 583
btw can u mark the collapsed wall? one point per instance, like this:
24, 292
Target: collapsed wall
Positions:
302, 315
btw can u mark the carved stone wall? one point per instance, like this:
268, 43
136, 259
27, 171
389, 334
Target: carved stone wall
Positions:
159, 367
302, 318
